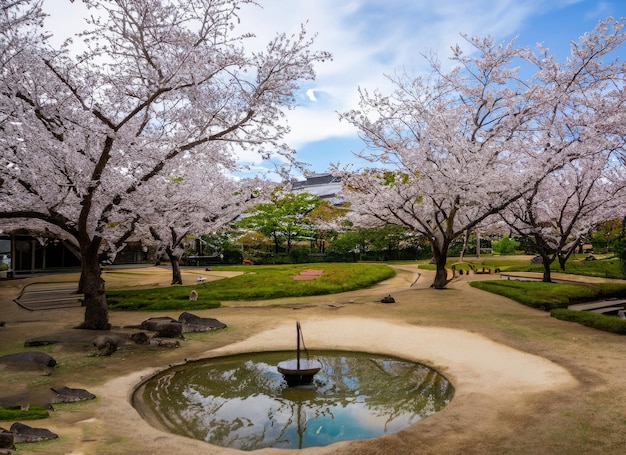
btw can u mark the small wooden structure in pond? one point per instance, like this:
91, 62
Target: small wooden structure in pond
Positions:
299, 371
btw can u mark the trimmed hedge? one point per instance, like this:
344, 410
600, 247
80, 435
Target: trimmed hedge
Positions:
598, 321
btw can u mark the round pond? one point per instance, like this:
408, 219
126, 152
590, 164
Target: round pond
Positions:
243, 402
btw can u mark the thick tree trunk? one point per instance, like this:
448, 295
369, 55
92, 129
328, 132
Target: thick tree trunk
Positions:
547, 273
177, 277
92, 286
440, 255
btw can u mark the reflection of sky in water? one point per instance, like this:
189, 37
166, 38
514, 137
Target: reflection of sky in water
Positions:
246, 405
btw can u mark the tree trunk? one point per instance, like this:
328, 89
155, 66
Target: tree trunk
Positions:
92, 286
440, 255
177, 278
547, 273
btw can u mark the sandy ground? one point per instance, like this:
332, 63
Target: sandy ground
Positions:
524, 382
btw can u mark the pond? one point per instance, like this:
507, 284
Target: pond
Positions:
243, 402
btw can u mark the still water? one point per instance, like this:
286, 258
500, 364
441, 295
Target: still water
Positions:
243, 402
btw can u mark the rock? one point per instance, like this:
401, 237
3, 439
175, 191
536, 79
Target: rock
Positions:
170, 330
107, 344
140, 338
165, 327
153, 323
164, 342
536, 260
193, 323
32, 357
388, 299
67, 395
24, 433
6, 439
39, 341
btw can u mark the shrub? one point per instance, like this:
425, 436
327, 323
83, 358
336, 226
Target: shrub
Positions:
505, 246
233, 256
598, 321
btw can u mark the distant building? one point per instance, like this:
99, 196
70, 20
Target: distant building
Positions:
324, 186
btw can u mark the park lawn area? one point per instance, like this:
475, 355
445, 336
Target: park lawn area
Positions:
257, 283
603, 267
547, 296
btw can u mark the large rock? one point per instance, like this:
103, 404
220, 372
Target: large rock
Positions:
165, 327
30, 357
152, 324
68, 395
193, 323
107, 344
24, 433
6, 439
140, 338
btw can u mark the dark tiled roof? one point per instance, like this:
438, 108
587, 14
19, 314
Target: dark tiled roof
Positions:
320, 179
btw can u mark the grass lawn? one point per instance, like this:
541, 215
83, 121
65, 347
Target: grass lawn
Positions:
257, 282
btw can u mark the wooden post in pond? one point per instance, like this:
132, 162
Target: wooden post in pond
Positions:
298, 344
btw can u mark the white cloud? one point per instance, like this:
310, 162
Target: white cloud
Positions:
310, 93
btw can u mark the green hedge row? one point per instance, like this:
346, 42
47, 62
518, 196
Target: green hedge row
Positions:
598, 321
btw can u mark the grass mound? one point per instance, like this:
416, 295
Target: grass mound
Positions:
611, 324
259, 282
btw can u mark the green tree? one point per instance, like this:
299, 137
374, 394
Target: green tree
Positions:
505, 245
284, 218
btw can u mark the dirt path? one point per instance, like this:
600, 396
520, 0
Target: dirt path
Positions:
525, 383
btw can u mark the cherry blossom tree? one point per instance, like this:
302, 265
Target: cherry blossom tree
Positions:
198, 198
450, 149
159, 82
568, 204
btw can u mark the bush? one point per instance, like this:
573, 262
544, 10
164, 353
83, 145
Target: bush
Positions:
505, 246
598, 321
233, 256
4, 267
299, 255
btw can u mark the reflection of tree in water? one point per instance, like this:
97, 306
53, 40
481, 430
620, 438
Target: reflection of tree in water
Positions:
244, 404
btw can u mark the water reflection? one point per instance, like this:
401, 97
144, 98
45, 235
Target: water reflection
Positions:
243, 402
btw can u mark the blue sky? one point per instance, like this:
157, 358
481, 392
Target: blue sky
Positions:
371, 38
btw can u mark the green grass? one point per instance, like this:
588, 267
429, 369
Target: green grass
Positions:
556, 297
590, 319
16, 413
604, 268
544, 296
257, 283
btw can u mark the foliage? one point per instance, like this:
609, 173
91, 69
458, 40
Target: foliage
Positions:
620, 248
560, 211
87, 137
505, 245
450, 137
15, 413
257, 282
233, 256
603, 322
284, 218
605, 235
